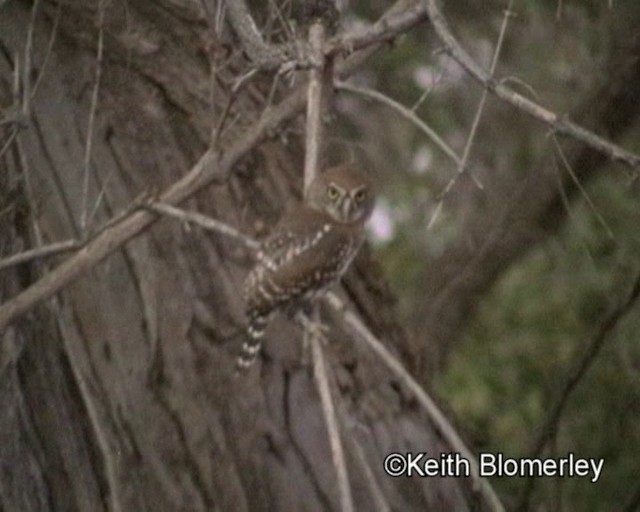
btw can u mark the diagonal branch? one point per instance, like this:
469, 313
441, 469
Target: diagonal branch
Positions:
559, 124
40, 252
405, 112
438, 419
263, 54
476, 122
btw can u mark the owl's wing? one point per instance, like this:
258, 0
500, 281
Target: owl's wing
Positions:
305, 253
306, 234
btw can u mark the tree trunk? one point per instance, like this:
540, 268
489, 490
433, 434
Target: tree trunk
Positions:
118, 394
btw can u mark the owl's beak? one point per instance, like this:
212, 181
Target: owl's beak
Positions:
348, 209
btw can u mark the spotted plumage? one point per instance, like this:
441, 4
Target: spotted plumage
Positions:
308, 251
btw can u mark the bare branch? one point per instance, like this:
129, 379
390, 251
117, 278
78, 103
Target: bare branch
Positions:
400, 18
263, 55
45, 61
329, 414
39, 253
92, 117
406, 113
559, 124
28, 57
204, 222
396, 20
438, 419
476, 120
316, 96
378, 497
574, 177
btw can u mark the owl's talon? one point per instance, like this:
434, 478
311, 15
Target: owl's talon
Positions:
315, 328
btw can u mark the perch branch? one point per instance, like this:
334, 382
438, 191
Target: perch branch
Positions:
559, 124
438, 419
316, 101
575, 375
318, 88
329, 414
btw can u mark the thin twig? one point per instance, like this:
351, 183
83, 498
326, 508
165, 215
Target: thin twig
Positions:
407, 114
47, 55
40, 252
584, 193
559, 123
438, 419
476, 120
263, 54
92, 115
204, 222
10, 139
574, 376
28, 58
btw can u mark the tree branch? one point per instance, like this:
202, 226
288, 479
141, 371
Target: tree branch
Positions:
559, 124
397, 20
438, 419
408, 114
40, 252
263, 55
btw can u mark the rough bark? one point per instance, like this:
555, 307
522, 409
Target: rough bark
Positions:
117, 394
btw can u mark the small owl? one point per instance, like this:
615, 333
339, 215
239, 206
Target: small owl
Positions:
308, 251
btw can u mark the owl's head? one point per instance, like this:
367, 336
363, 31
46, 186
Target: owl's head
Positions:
344, 193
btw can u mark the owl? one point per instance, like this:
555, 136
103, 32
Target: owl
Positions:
307, 252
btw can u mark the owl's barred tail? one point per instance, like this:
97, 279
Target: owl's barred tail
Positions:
253, 343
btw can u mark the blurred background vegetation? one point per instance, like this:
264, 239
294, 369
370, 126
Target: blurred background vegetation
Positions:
515, 350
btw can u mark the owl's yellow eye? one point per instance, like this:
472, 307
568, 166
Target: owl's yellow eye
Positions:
332, 193
360, 195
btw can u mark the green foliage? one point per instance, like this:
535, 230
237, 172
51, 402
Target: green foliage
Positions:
535, 324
